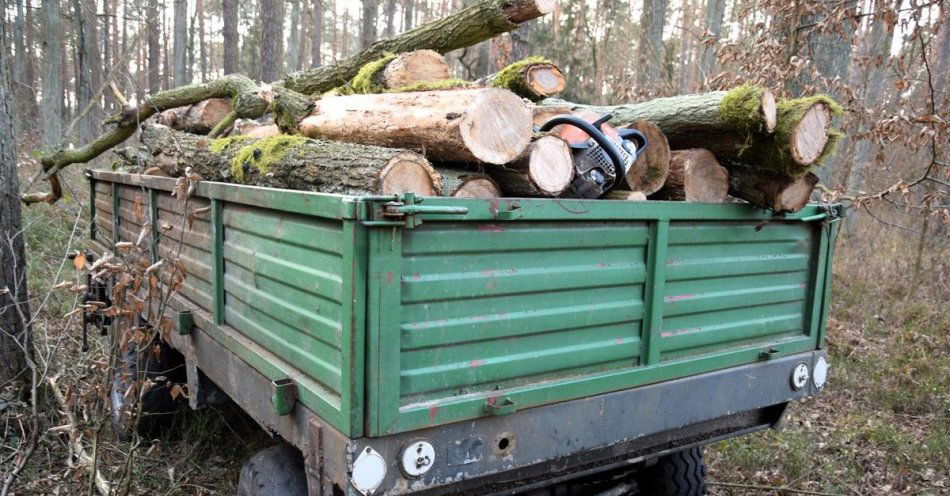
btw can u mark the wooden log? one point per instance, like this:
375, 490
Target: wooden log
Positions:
621, 194
199, 118
534, 78
293, 162
545, 169
649, 171
471, 125
478, 22
398, 71
254, 129
462, 183
695, 176
767, 189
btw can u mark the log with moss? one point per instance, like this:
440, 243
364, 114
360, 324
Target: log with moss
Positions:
469, 125
292, 162
471, 25
545, 169
198, 118
392, 72
766, 189
462, 183
695, 176
534, 78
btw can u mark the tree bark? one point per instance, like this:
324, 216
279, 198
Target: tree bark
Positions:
472, 125
650, 170
534, 78
202, 48
180, 42
390, 19
293, 43
83, 65
316, 34
14, 305
545, 169
292, 162
466, 27
715, 11
52, 78
229, 19
368, 24
695, 176
403, 70
271, 33
650, 47
154, 47
460, 183
769, 190
407, 14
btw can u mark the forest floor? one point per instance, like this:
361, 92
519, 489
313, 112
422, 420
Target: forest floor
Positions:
882, 426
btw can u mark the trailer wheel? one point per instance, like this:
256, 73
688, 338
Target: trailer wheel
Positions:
679, 474
158, 405
275, 471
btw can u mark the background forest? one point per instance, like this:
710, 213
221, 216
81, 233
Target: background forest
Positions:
883, 425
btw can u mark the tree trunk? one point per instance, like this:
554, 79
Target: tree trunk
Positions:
715, 11
695, 176
390, 19
202, 48
461, 183
154, 47
271, 33
650, 170
407, 14
14, 305
472, 125
316, 33
650, 47
52, 78
107, 41
229, 19
180, 42
399, 71
769, 190
466, 27
20, 85
368, 25
293, 162
199, 118
293, 43
534, 78
84, 88
546, 168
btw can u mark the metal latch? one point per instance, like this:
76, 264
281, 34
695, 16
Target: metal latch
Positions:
830, 214
402, 210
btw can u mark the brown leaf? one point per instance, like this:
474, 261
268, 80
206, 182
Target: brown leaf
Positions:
79, 261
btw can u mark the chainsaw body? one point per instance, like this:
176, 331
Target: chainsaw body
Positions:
602, 155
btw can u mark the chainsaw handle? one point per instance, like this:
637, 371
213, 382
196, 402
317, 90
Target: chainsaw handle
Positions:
592, 131
638, 137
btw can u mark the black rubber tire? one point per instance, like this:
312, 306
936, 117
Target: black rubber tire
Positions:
275, 471
158, 406
679, 474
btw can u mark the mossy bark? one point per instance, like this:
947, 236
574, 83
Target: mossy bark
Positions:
534, 78
291, 162
476, 23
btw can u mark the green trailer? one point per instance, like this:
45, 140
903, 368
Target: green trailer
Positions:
443, 345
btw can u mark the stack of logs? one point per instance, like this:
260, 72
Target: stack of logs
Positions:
403, 125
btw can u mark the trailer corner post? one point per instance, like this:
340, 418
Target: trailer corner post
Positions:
653, 292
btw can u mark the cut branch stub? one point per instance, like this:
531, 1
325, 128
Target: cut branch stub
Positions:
534, 78
460, 183
546, 168
398, 71
473, 125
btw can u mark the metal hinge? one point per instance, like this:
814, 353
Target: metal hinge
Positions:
403, 210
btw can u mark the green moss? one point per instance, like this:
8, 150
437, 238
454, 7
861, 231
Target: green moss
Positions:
740, 108
512, 78
369, 77
445, 84
221, 144
831, 147
264, 153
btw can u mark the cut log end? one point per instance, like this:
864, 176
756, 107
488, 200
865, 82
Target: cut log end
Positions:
409, 172
478, 187
518, 11
797, 194
769, 111
545, 79
810, 134
620, 194
496, 127
648, 173
551, 165
420, 66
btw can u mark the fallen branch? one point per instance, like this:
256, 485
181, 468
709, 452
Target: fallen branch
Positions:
75, 440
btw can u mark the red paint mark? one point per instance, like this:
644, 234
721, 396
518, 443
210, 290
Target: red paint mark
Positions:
492, 400
802, 285
618, 341
389, 277
432, 412
666, 334
487, 273
476, 363
416, 276
491, 228
670, 299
